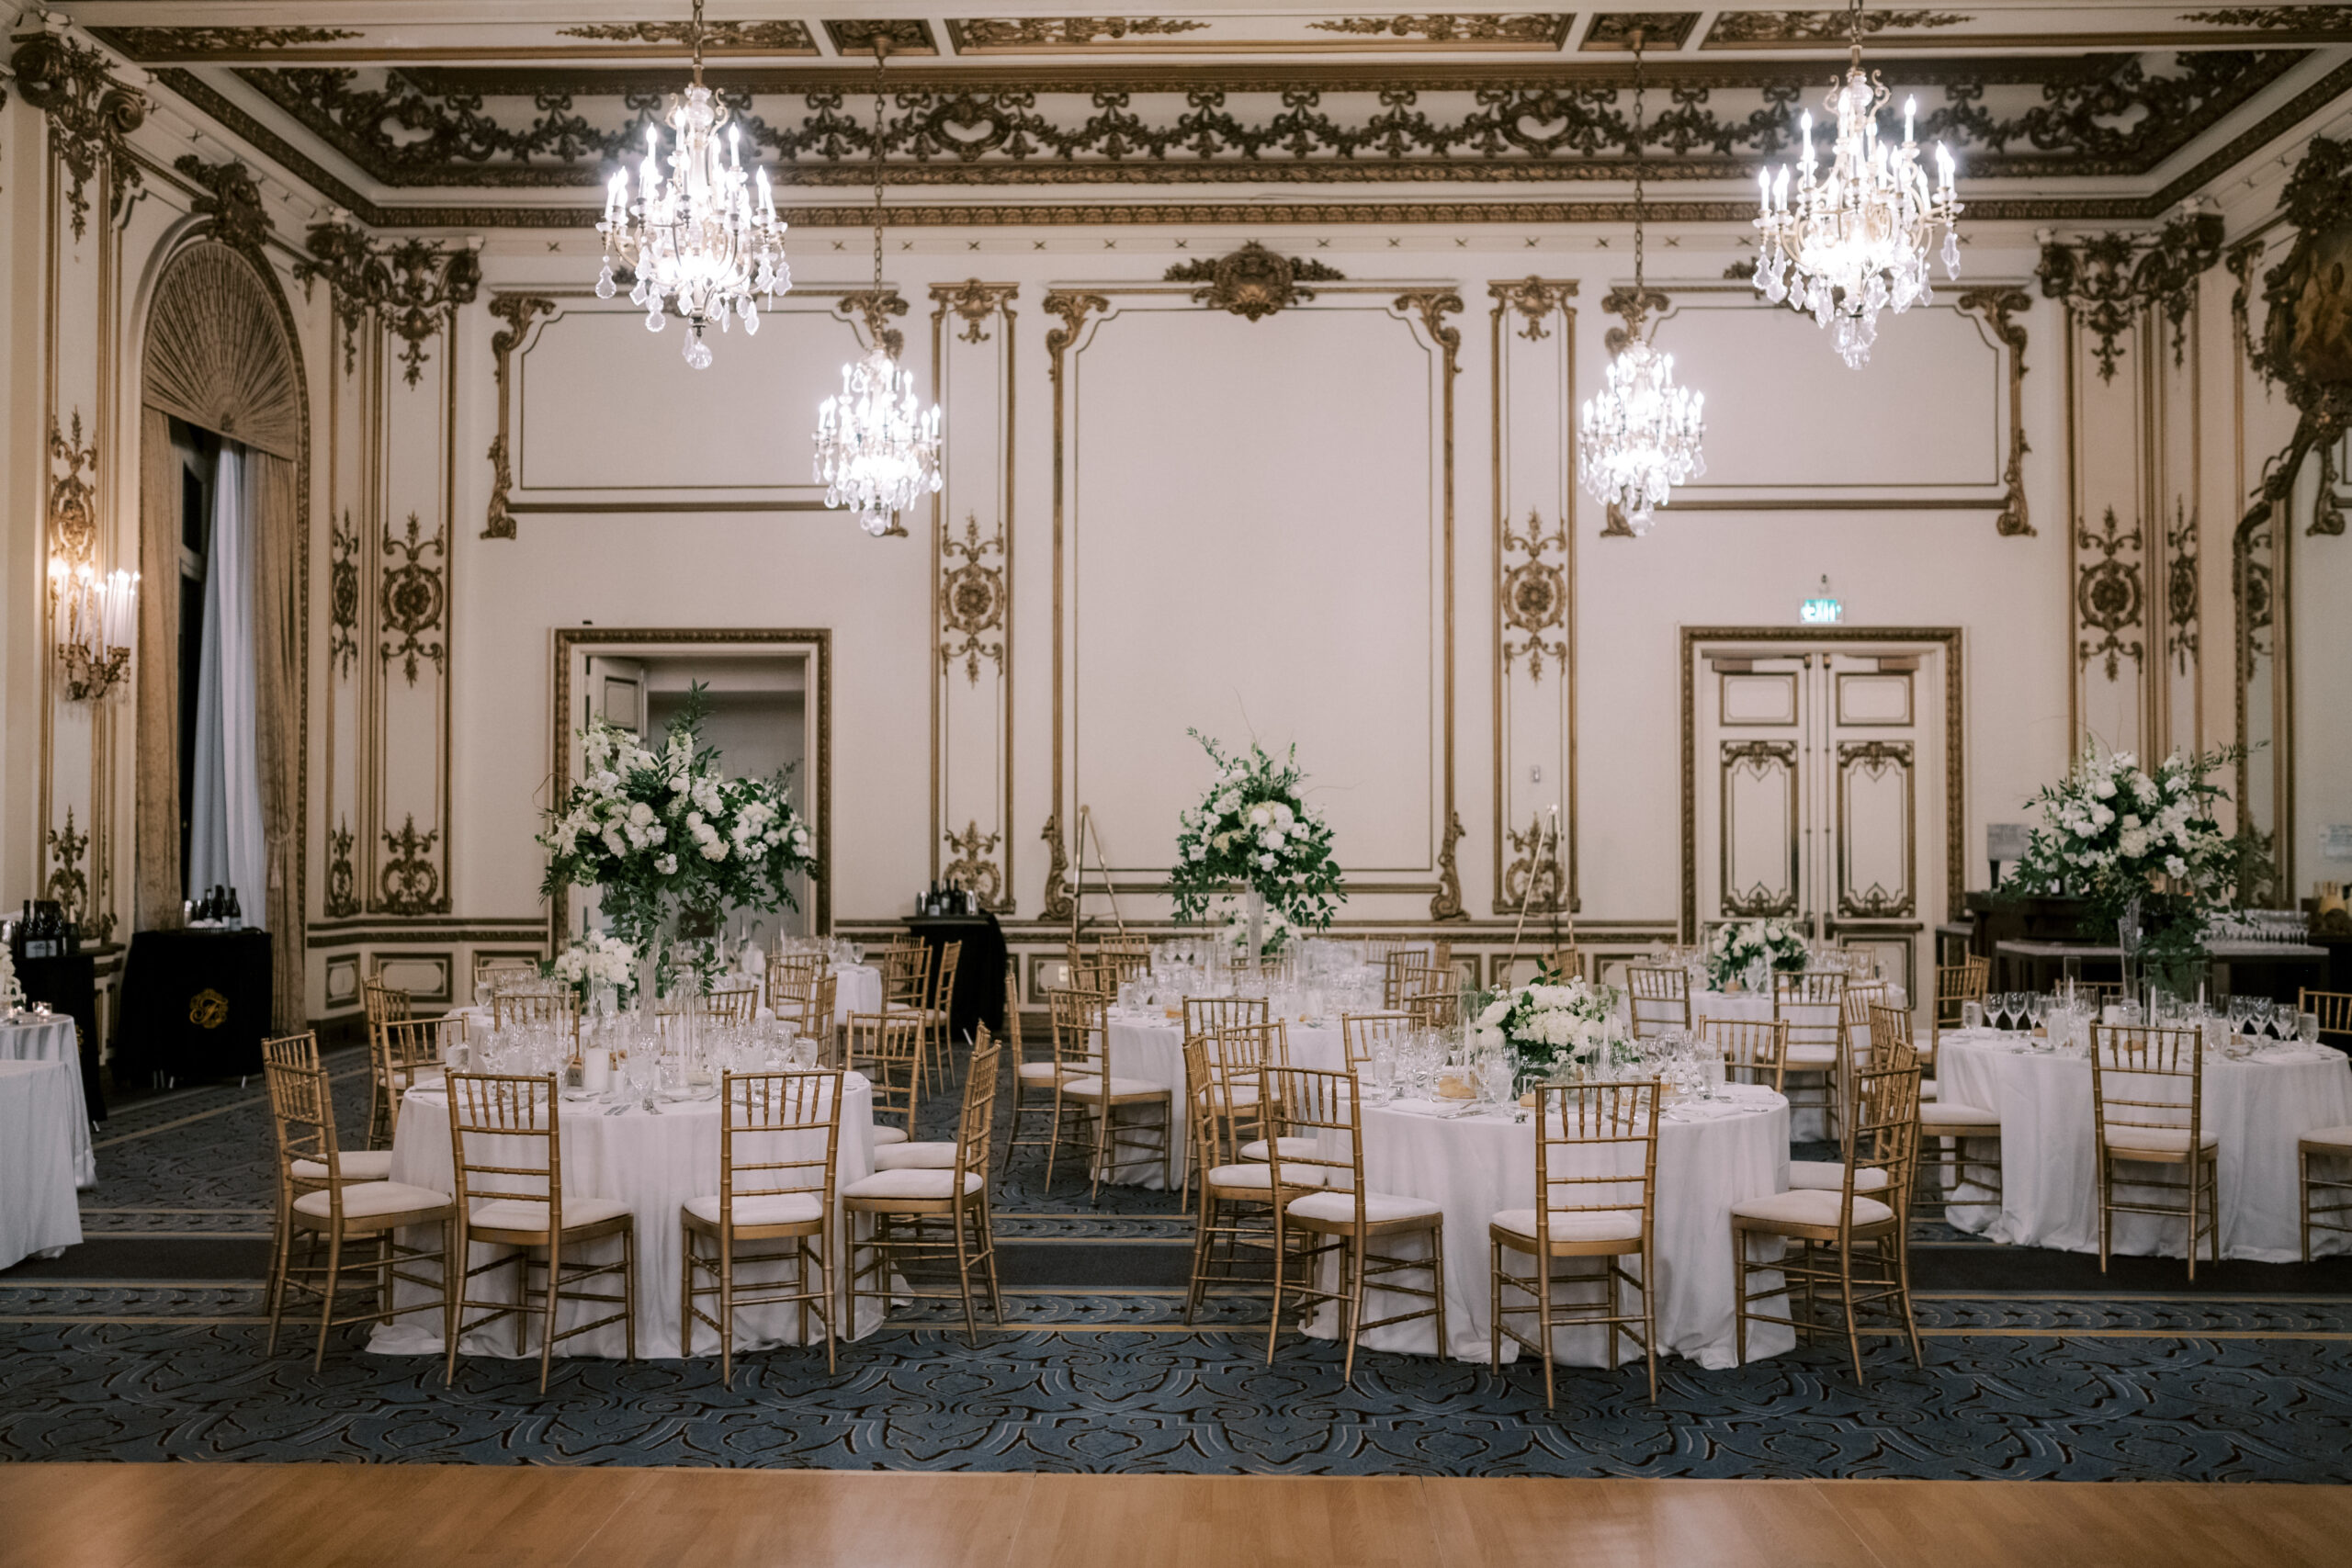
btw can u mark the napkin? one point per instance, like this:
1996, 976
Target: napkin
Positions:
2293, 1055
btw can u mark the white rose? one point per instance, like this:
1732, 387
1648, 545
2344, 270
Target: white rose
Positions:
1259, 816
666, 864
1266, 862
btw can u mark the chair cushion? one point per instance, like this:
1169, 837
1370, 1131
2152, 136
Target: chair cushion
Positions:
1296, 1148
530, 1214
1040, 1072
913, 1184
1811, 1206
1092, 1088
1814, 1057
1927, 1089
1235, 1094
915, 1156
357, 1165
2332, 1140
1952, 1113
1603, 1224
1830, 1176
1379, 1207
1261, 1176
762, 1208
363, 1198
2121, 1141
887, 1134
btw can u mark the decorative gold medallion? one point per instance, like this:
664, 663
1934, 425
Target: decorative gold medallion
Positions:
208, 1009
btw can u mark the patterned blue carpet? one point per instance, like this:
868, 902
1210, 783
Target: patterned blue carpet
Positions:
2245, 1378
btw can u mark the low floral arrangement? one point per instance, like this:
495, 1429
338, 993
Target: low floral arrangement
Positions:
1738, 946
2142, 847
671, 843
598, 958
1554, 1027
1255, 828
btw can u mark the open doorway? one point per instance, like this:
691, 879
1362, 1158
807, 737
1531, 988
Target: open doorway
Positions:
764, 710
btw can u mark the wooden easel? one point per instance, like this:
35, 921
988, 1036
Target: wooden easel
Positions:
1547, 850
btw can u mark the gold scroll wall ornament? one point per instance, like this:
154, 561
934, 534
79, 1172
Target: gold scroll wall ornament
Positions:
1059, 904
2108, 280
411, 287
1535, 597
1535, 299
1431, 306
975, 866
413, 598
411, 881
2001, 305
1252, 282
2181, 596
518, 311
72, 510
68, 885
343, 594
973, 302
1535, 879
92, 114
342, 894
231, 201
872, 311
972, 599
2109, 598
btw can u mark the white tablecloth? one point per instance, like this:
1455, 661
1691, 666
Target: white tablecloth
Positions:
1151, 1046
40, 1105
652, 1162
2049, 1176
858, 988
1477, 1165
55, 1039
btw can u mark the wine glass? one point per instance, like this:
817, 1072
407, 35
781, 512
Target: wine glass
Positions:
2037, 1008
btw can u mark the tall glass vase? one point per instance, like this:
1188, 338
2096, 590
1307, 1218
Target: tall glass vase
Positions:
2128, 936
1255, 906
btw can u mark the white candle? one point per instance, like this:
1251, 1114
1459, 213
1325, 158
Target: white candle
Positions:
596, 1071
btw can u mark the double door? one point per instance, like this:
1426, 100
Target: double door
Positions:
1819, 791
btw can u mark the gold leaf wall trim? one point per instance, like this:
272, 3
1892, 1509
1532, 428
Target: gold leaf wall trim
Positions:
92, 114
2107, 279
1252, 282
988, 35
2109, 594
2001, 305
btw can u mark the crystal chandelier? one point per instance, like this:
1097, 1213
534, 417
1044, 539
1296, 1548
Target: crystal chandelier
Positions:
878, 445
1856, 240
1639, 437
699, 239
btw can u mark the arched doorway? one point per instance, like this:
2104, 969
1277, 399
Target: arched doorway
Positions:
219, 358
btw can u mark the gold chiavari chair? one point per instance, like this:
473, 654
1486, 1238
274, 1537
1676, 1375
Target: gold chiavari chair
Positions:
1890, 1048
2333, 1144
1126, 957
1956, 985
508, 1150
326, 1203
790, 975
1754, 1049
906, 976
778, 1135
909, 1207
410, 1052
1360, 1032
1860, 995
735, 1005
887, 1047
1814, 1067
300, 1052
938, 1009
503, 971
1319, 1146
1967, 1149
1089, 1078
1043, 1077
2334, 1011
1236, 1212
1393, 964
1070, 1015
2148, 1109
810, 1015
383, 1004
1884, 1138
1596, 1194
1101, 979
1658, 999
557, 1010
1206, 1015
1435, 1010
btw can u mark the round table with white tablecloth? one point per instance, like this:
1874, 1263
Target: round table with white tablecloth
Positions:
1150, 1046
36, 1037
39, 1102
1710, 1156
652, 1161
2257, 1106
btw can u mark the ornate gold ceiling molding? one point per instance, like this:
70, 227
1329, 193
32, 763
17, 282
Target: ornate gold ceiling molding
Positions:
1029, 35
898, 36
2108, 280
198, 43
232, 200
2080, 116
411, 288
1795, 29
763, 38
1613, 31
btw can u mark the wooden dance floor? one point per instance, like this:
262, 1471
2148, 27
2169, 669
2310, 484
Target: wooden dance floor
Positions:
256, 1516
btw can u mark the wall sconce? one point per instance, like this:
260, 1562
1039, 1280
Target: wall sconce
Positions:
98, 619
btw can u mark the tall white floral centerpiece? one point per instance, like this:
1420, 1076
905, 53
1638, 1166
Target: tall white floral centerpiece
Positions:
2143, 847
1255, 833
595, 961
671, 843
1747, 951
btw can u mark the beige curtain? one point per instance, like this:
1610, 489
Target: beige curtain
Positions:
155, 888
277, 689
